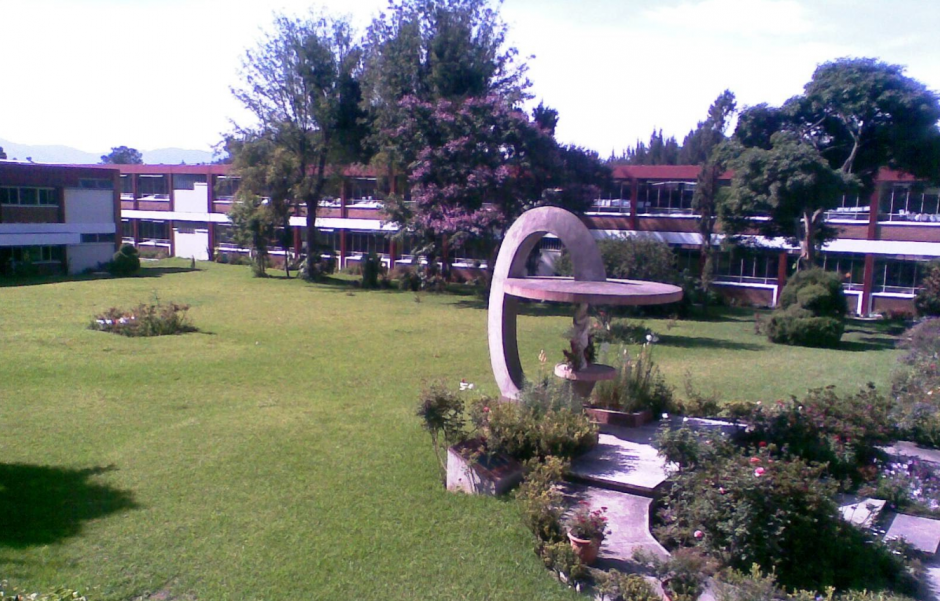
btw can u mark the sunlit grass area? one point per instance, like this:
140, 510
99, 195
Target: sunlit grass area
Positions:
275, 453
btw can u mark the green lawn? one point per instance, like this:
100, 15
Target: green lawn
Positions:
275, 454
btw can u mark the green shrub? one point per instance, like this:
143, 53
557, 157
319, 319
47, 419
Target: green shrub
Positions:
915, 385
927, 301
524, 433
840, 431
59, 594
126, 261
615, 586
638, 385
796, 327
683, 574
371, 266
631, 258
561, 559
811, 311
540, 499
546, 421
742, 507
819, 292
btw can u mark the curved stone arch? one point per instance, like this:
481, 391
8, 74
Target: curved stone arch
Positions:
519, 241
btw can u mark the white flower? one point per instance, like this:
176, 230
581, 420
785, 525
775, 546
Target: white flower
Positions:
665, 416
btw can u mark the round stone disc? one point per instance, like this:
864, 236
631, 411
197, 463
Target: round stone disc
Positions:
610, 292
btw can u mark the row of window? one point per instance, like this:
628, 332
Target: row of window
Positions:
28, 196
32, 254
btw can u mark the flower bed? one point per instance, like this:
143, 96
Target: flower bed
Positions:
155, 319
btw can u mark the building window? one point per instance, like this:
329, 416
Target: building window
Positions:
225, 187
153, 187
851, 206
747, 266
666, 197
28, 196
96, 184
909, 202
127, 185
850, 268
187, 181
897, 276
93, 238
127, 228
158, 231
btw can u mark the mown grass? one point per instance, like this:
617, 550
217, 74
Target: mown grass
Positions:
275, 454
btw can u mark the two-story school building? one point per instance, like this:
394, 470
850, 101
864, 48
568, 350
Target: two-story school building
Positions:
57, 218
883, 246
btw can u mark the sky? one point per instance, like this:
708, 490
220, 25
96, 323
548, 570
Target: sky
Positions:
93, 74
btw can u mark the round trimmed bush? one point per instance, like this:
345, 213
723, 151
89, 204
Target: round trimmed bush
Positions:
811, 311
125, 261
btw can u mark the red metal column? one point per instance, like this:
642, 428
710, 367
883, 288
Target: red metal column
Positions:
172, 239
135, 224
781, 275
170, 190
874, 207
298, 243
210, 192
634, 200
343, 195
133, 177
868, 281
392, 249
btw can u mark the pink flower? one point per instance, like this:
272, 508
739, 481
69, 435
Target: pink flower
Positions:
755, 460
759, 472
762, 444
721, 491
486, 410
698, 534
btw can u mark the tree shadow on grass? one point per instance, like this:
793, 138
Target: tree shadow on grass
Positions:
146, 272
41, 505
707, 343
867, 343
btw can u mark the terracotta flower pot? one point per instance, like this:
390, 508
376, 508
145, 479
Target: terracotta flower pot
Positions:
585, 548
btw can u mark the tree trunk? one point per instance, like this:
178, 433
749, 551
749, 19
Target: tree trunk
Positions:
808, 243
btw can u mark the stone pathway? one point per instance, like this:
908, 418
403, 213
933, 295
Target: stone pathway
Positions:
623, 460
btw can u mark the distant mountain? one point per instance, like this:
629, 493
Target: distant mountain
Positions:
48, 154
67, 155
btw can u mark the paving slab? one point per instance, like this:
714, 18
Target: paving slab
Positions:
624, 460
629, 520
861, 511
930, 586
921, 533
905, 448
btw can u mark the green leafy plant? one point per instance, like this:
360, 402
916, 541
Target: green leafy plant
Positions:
683, 574
540, 499
442, 415
125, 261
536, 428
616, 586
927, 301
811, 311
638, 385
563, 561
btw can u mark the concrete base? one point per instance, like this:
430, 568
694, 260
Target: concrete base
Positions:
472, 472
921, 533
623, 460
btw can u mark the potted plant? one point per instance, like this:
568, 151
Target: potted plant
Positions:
586, 530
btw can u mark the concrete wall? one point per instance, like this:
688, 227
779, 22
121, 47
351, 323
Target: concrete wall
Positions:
90, 206
190, 241
192, 201
88, 256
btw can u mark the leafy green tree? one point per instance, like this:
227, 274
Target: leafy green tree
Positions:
856, 115
253, 226
703, 144
660, 151
267, 170
792, 185
302, 86
927, 301
122, 155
